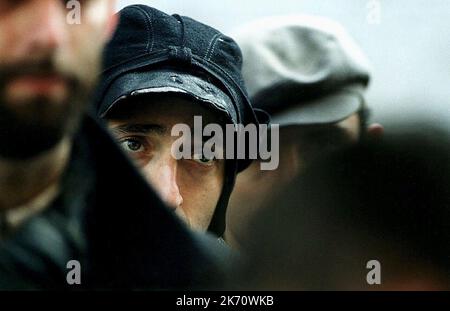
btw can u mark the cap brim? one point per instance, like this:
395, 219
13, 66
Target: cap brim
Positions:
326, 110
167, 81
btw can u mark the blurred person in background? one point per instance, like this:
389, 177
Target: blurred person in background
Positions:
59, 200
310, 76
385, 201
160, 77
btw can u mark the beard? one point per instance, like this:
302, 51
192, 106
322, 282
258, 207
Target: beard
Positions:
36, 124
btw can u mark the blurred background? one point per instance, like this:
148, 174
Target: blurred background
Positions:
407, 42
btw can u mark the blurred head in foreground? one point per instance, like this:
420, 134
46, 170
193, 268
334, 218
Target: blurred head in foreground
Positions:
49, 61
386, 201
311, 77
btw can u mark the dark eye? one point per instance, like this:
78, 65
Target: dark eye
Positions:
203, 160
132, 145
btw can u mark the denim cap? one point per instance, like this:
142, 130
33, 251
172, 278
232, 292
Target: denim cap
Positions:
303, 70
169, 81
153, 52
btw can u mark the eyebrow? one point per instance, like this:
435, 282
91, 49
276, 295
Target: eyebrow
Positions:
139, 129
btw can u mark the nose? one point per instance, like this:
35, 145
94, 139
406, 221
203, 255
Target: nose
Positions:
163, 178
47, 31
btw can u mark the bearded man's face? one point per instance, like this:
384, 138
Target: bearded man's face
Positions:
48, 69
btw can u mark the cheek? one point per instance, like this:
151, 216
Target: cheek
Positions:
250, 194
12, 29
244, 190
4, 39
82, 57
205, 188
201, 193
199, 202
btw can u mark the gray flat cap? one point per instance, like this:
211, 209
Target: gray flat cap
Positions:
303, 69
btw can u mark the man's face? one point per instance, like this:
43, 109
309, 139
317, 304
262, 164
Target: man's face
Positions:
298, 146
48, 67
190, 187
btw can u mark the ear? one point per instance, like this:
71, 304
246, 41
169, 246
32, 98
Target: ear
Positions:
375, 131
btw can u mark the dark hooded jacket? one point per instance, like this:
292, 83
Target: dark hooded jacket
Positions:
109, 220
